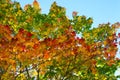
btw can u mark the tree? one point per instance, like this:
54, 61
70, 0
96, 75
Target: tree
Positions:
46, 46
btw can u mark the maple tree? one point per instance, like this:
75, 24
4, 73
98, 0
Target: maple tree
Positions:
46, 46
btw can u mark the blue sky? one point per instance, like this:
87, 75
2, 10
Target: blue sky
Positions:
102, 11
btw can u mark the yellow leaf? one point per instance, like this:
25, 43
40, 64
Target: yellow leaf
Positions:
29, 44
21, 77
33, 73
79, 18
62, 38
110, 37
105, 43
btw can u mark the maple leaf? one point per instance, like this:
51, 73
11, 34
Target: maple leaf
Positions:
29, 34
36, 5
119, 35
36, 46
73, 33
40, 41
21, 30
74, 13
46, 55
26, 7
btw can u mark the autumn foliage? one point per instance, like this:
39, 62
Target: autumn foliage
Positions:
52, 46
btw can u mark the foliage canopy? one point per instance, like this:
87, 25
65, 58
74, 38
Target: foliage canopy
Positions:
46, 46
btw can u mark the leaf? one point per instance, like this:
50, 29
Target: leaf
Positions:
30, 38
46, 55
29, 34
26, 7
74, 13
36, 5
119, 35
21, 77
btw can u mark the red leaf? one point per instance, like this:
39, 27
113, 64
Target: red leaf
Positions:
7, 29
119, 42
105, 48
117, 58
75, 51
29, 34
88, 48
73, 33
81, 40
21, 30
115, 44
47, 40
23, 48
119, 35
74, 13
35, 46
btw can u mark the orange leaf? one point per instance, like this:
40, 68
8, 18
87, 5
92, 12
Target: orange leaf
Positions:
46, 55
36, 5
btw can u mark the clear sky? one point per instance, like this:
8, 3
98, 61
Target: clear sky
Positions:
102, 11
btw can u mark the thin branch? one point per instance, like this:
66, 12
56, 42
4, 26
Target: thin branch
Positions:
28, 75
